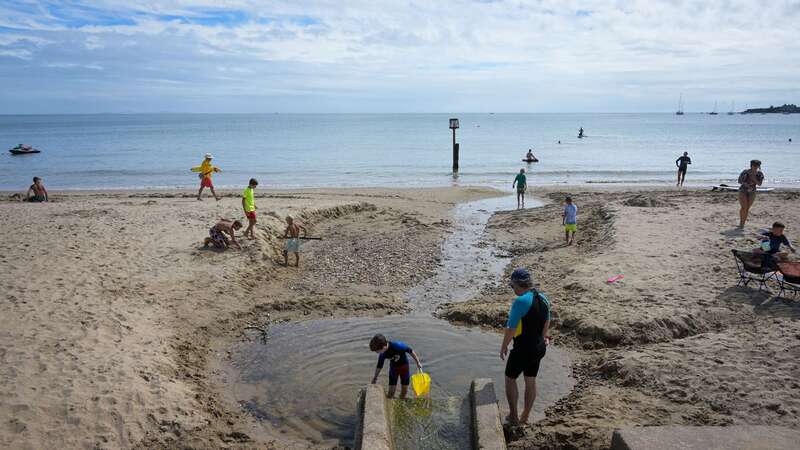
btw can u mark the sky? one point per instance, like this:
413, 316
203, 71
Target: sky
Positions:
239, 56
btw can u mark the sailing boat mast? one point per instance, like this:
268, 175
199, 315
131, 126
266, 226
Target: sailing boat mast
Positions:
680, 106
714, 112
733, 105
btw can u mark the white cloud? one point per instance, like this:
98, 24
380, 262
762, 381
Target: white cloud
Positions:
505, 55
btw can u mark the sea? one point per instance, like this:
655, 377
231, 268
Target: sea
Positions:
156, 151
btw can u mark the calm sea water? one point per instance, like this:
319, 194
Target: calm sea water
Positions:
313, 150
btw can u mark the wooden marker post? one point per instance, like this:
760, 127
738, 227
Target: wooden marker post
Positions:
454, 126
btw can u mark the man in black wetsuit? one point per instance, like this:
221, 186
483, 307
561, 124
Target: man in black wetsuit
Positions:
683, 164
528, 327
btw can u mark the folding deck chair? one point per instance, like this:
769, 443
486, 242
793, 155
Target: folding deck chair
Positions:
760, 267
789, 279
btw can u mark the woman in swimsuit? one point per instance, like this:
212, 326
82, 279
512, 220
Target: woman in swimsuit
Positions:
749, 180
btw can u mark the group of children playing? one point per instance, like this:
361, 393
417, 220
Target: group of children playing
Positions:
223, 234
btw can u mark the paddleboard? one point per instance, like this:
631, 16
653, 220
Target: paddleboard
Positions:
726, 188
530, 160
199, 168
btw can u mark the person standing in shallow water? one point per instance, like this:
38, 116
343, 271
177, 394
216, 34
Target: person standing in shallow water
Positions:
749, 181
528, 327
683, 164
521, 183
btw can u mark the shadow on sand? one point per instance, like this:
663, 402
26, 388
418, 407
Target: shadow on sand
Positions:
765, 302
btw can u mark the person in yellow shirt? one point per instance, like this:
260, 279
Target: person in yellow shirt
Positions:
249, 207
206, 169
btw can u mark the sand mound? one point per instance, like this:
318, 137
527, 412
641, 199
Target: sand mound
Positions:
646, 201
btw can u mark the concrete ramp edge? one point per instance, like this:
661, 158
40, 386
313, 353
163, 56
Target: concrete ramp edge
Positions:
487, 426
372, 427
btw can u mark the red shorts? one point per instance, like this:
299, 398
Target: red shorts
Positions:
250, 215
206, 182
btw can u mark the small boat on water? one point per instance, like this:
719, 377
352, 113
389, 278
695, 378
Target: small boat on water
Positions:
23, 149
679, 112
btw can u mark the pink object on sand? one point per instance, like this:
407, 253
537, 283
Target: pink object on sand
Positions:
615, 278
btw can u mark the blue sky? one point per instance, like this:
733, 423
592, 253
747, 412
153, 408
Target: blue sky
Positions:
383, 56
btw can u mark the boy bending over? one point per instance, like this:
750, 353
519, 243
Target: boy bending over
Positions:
217, 234
395, 352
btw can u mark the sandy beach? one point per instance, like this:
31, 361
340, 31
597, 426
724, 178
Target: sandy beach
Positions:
674, 342
113, 318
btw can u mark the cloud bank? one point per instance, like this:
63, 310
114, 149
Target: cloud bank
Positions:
375, 56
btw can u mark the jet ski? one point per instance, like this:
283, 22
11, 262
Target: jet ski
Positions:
23, 149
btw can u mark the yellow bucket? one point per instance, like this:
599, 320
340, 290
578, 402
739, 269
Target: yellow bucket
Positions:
421, 383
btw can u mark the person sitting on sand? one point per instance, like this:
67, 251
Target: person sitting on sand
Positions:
521, 183
217, 234
395, 352
249, 207
569, 218
749, 180
292, 236
206, 170
37, 192
683, 164
772, 241
528, 326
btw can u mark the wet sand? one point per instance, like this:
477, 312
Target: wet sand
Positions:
110, 340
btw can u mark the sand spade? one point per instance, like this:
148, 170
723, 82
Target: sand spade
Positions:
421, 383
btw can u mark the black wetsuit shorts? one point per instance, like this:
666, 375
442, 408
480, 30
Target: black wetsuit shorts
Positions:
525, 361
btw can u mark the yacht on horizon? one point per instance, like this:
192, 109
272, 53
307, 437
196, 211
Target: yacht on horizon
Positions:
680, 106
714, 112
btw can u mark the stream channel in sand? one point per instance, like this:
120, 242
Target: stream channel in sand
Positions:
304, 381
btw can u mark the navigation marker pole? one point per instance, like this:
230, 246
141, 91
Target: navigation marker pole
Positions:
454, 126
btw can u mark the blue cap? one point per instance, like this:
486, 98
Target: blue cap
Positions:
520, 274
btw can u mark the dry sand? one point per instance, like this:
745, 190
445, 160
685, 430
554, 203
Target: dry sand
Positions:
110, 310
111, 316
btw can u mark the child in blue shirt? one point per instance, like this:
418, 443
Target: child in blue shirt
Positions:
772, 240
569, 218
395, 352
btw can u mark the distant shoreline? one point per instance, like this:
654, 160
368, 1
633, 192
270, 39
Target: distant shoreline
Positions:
785, 109
344, 190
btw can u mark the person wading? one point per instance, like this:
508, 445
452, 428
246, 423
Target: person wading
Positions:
527, 326
683, 164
